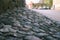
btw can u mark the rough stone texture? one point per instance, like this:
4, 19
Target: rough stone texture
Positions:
25, 24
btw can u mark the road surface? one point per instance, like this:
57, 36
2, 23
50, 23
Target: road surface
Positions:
52, 14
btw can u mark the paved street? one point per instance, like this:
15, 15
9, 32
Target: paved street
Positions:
52, 14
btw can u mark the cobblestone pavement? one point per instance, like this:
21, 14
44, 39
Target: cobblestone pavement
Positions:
25, 24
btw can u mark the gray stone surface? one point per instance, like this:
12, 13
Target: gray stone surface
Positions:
25, 24
32, 38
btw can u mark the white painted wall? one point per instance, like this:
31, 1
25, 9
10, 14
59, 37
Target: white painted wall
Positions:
34, 1
56, 3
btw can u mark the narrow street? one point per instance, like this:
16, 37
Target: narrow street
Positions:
52, 14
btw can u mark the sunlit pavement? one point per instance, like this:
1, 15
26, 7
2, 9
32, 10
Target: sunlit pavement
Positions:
52, 14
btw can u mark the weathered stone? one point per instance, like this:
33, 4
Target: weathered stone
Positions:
50, 38
41, 34
57, 35
16, 23
32, 38
5, 28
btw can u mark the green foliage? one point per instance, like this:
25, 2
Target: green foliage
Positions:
38, 5
48, 3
